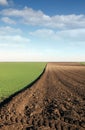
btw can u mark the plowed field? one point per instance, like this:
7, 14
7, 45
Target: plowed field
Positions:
55, 102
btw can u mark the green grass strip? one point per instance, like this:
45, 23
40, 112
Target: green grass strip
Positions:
16, 75
82, 63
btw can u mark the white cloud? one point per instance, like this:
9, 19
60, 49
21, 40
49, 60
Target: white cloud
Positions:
8, 20
7, 30
75, 35
72, 35
10, 40
3, 2
43, 33
33, 17
58, 33
12, 37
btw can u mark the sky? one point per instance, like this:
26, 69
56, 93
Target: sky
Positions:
42, 30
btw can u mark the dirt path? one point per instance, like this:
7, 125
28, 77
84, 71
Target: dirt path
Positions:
55, 102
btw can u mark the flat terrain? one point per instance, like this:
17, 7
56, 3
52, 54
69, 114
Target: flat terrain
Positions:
55, 102
16, 75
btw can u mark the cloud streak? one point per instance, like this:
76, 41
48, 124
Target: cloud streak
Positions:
8, 20
7, 30
72, 35
38, 18
11, 40
11, 37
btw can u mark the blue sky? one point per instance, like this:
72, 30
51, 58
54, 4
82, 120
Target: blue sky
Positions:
39, 30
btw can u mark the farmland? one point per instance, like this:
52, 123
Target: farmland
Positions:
82, 63
55, 102
14, 76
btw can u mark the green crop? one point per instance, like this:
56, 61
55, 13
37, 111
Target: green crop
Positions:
16, 75
82, 63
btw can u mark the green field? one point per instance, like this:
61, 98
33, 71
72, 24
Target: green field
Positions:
16, 75
82, 63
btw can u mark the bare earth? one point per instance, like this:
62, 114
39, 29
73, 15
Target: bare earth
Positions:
55, 102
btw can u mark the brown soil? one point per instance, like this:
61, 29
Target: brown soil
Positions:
55, 102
